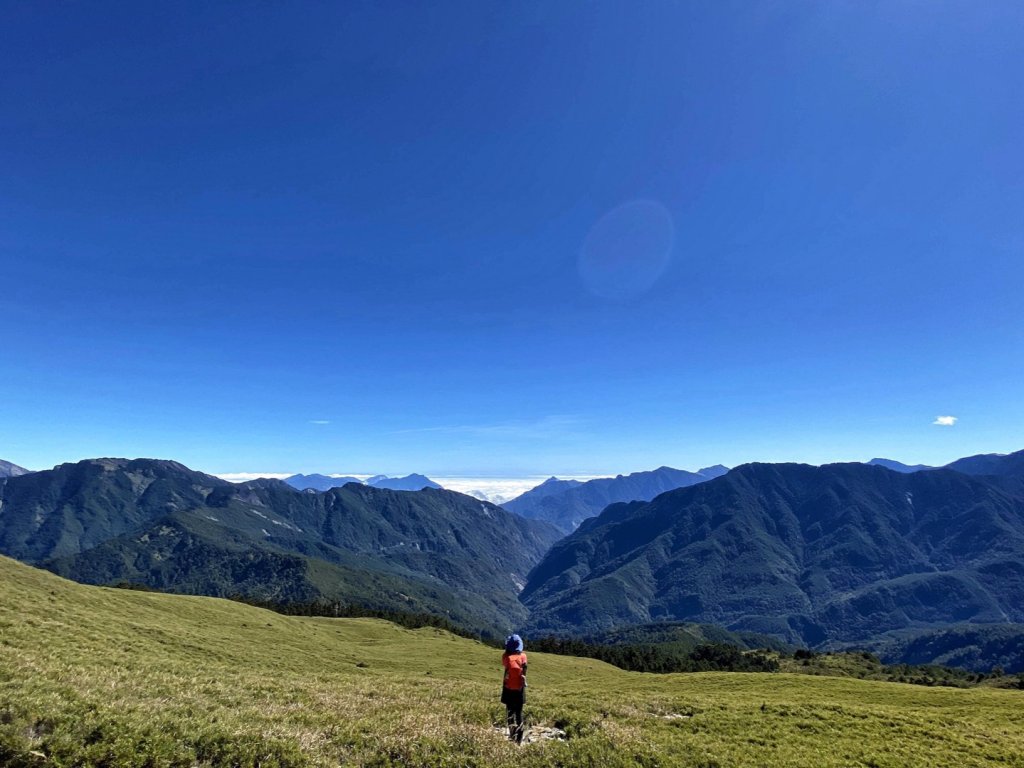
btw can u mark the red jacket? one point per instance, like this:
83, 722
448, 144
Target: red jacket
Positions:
515, 669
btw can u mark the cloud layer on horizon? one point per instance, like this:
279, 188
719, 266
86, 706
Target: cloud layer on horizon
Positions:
493, 489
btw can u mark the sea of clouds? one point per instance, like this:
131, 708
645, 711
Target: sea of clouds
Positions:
493, 489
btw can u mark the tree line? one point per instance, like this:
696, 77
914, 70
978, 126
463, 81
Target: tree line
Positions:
663, 658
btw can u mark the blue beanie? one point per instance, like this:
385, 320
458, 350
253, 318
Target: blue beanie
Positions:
513, 644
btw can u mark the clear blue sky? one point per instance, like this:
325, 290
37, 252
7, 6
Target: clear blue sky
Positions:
510, 238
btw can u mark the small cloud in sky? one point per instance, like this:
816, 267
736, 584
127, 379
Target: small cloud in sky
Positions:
944, 421
319, 421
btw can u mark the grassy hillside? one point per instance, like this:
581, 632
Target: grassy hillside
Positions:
92, 676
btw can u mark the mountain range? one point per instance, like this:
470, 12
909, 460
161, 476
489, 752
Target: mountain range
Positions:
991, 464
160, 524
914, 563
316, 482
567, 503
814, 555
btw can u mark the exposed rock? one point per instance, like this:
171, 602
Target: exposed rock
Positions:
536, 733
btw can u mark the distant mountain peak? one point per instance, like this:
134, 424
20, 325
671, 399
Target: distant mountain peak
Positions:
567, 503
715, 470
413, 482
7, 469
317, 482
899, 466
553, 484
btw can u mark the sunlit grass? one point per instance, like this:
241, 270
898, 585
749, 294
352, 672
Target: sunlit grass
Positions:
103, 677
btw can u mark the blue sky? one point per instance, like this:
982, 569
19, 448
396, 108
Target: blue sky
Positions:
510, 239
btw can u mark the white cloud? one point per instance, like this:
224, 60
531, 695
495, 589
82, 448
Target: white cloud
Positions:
498, 489
945, 421
319, 421
243, 477
493, 489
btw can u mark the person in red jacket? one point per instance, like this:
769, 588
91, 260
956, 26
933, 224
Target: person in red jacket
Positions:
513, 688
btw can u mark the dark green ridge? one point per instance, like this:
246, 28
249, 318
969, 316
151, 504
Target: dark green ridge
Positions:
160, 524
813, 555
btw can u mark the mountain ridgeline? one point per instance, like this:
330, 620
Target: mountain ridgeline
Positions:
814, 555
567, 503
160, 524
912, 562
982, 465
7, 469
1008, 465
316, 482
899, 466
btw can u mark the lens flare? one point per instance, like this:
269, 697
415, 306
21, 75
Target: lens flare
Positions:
627, 250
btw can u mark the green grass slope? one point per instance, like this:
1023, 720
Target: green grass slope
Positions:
92, 676
188, 554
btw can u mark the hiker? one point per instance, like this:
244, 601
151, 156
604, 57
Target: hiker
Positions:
513, 688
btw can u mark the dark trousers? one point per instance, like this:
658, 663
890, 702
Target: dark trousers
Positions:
513, 701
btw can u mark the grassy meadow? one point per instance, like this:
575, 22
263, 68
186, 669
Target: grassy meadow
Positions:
104, 677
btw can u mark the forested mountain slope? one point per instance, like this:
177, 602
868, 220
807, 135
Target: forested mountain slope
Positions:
163, 525
810, 554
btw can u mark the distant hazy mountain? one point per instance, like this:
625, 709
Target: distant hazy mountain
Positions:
1000, 464
160, 524
715, 470
992, 464
567, 503
843, 552
326, 482
550, 487
319, 482
11, 470
898, 466
411, 482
